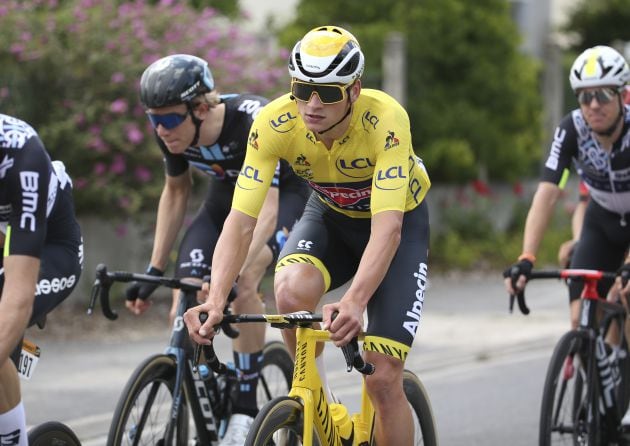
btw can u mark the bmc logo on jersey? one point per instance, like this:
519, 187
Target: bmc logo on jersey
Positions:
55, 285
356, 168
391, 178
29, 181
554, 155
283, 123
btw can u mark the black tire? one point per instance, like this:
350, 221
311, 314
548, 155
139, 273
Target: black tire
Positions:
276, 373
279, 423
421, 409
149, 388
569, 413
52, 433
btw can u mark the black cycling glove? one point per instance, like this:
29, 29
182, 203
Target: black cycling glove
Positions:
521, 268
142, 291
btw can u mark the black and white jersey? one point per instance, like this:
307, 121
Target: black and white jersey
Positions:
29, 185
606, 174
223, 159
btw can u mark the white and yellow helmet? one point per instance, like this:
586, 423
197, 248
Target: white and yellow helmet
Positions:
327, 55
599, 66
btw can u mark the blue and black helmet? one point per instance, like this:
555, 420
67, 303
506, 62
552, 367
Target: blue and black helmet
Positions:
175, 79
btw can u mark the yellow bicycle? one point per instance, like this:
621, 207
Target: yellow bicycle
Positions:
305, 417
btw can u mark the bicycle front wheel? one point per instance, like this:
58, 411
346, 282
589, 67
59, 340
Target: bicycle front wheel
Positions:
279, 423
276, 373
52, 433
144, 409
569, 413
425, 432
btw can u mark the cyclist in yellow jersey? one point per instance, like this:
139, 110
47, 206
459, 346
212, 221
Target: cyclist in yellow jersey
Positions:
365, 221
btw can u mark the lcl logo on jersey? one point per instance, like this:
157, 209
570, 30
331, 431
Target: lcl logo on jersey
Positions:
356, 168
369, 120
392, 178
249, 178
283, 123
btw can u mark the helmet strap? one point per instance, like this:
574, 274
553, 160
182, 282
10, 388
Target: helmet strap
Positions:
608, 132
197, 123
342, 118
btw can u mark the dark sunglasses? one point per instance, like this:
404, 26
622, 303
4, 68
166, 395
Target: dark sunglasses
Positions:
168, 120
327, 93
603, 96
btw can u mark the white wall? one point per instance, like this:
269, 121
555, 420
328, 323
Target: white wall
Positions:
261, 11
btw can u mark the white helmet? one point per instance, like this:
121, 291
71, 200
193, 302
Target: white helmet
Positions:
599, 66
327, 55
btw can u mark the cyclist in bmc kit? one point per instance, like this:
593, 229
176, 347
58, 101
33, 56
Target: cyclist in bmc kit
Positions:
43, 254
195, 126
366, 220
596, 138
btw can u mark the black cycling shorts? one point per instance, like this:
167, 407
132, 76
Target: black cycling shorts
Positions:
334, 243
602, 245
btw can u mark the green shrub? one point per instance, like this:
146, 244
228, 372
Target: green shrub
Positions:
71, 68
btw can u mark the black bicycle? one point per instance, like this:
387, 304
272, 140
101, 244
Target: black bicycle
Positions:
183, 396
587, 387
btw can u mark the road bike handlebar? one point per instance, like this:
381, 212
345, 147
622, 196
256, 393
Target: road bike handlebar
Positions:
105, 279
586, 275
351, 351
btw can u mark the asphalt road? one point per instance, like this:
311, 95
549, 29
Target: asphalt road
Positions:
483, 367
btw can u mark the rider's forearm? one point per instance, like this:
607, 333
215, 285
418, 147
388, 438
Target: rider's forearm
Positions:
170, 216
16, 304
377, 256
265, 226
229, 256
539, 216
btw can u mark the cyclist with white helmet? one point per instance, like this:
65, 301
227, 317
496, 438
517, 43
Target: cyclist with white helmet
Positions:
195, 126
366, 220
596, 139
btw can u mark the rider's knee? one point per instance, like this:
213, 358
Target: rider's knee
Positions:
285, 294
386, 382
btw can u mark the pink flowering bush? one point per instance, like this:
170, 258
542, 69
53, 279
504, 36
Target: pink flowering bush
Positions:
71, 68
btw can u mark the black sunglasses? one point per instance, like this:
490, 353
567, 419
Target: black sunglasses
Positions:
327, 93
168, 120
603, 96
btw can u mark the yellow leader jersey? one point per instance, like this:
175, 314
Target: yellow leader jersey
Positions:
370, 169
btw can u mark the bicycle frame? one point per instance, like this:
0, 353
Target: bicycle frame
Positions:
591, 305
307, 387
188, 379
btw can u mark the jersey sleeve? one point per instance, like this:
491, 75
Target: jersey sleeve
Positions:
258, 171
563, 149
391, 172
28, 183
